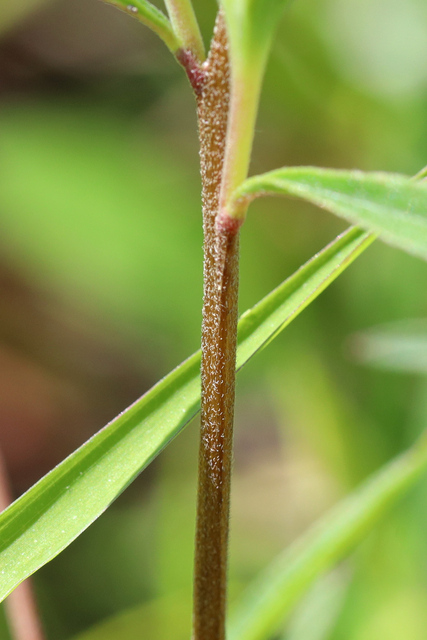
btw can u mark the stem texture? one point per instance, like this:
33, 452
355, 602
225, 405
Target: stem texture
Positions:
218, 354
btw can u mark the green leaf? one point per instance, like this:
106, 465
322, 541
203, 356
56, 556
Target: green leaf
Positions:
251, 25
261, 324
398, 346
152, 17
392, 206
47, 518
250, 29
149, 617
272, 597
318, 613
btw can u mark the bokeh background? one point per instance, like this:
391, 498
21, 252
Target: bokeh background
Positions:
100, 296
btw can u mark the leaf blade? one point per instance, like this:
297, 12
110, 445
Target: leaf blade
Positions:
397, 346
46, 519
390, 205
272, 596
333, 259
251, 26
151, 17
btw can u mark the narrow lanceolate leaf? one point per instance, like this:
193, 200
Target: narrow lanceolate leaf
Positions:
261, 324
152, 17
318, 613
392, 206
398, 346
250, 29
272, 597
46, 519
251, 25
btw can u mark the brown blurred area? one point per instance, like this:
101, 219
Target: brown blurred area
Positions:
63, 375
64, 46
60, 375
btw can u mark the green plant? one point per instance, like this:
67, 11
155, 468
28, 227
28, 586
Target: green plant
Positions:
227, 86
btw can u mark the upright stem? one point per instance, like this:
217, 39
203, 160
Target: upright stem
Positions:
219, 328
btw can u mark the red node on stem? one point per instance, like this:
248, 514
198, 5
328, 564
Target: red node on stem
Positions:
224, 223
193, 68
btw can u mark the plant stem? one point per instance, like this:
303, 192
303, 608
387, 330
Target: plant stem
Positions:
221, 249
185, 26
20, 606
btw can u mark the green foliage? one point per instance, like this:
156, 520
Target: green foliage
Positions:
399, 346
64, 503
251, 25
56, 510
275, 593
271, 599
153, 18
391, 206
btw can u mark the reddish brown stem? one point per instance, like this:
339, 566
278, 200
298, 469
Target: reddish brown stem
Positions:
221, 247
21, 608
193, 69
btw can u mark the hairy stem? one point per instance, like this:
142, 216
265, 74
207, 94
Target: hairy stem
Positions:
20, 606
219, 328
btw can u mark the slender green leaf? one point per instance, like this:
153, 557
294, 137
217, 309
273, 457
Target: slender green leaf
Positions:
392, 206
152, 17
317, 615
398, 346
251, 25
272, 597
46, 519
261, 324
421, 175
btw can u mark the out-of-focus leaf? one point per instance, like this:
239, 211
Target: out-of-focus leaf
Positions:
399, 346
46, 519
392, 206
274, 594
148, 620
315, 618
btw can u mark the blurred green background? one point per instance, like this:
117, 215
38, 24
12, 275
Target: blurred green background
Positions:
100, 296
